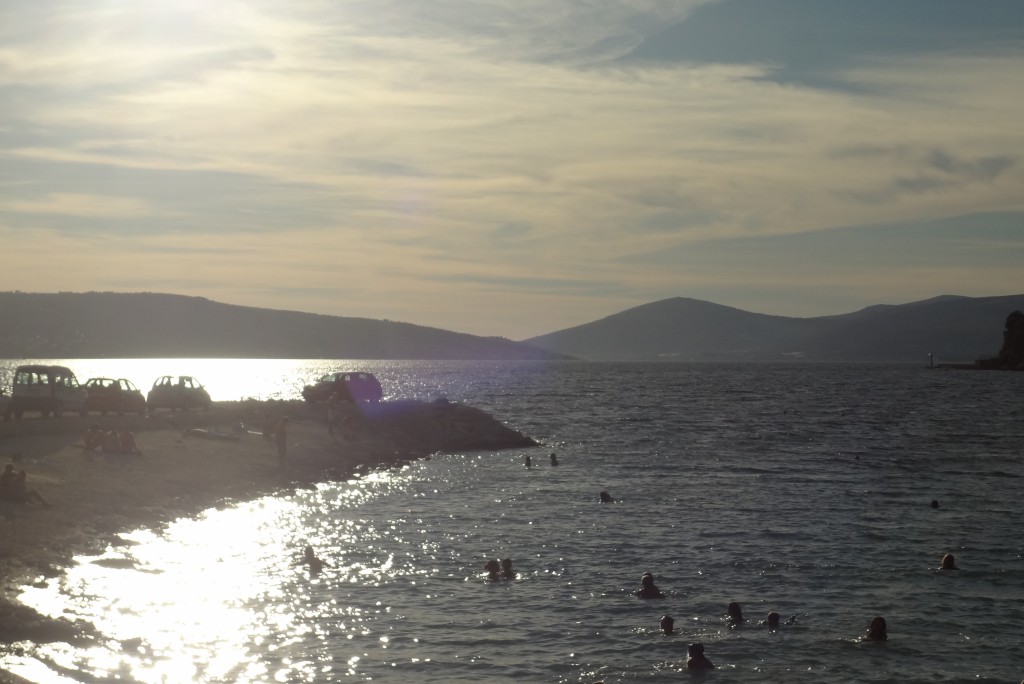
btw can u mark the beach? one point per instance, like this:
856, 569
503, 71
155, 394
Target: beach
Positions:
189, 462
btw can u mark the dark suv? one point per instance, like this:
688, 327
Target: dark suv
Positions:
349, 385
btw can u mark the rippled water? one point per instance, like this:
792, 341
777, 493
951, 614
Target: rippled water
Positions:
796, 488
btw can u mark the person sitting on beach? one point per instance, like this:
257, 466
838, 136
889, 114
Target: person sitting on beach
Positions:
22, 494
128, 443
7, 483
877, 631
493, 569
667, 624
734, 614
506, 569
606, 498
948, 562
695, 658
111, 442
94, 438
647, 589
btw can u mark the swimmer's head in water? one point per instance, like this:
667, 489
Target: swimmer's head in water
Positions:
606, 497
492, 566
647, 580
773, 620
878, 630
695, 650
949, 562
667, 623
735, 614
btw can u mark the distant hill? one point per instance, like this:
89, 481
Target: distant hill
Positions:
145, 325
953, 328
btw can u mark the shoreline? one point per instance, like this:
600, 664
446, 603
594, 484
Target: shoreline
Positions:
192, 461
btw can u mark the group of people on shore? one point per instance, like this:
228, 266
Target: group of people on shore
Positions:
14, 487
111, 441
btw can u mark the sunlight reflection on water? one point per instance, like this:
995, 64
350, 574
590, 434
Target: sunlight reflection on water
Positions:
210, 598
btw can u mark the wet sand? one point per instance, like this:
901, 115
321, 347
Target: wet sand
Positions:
190, 462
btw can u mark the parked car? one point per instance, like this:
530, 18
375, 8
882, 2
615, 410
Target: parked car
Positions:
350, 386
182, 392
107, 395
46, 389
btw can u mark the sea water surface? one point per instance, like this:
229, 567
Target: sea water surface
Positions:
803, 489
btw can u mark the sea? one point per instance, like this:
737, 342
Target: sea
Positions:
825, 492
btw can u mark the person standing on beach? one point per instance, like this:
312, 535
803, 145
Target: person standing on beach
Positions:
332, 412
281, 438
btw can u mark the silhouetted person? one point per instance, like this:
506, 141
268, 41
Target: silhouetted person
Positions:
554, 459
128, 443
281, 439
22, 494
606, 498
506, 569
529, 462
7, 483
647, 589
314, 564
877, 631
667, 624
493, 569
332, 412
935, 503
948, 562
773, 621
94, 438
695, 658
735, 614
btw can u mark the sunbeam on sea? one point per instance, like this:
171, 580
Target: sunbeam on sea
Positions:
802, 489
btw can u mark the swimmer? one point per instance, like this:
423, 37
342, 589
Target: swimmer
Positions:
493, 568
647, 588
315, 564
773, 621
529, 462
667, 624
606, 498
554, 459
935, 503
695, 659
948, 562
506, 569
735, 614
878, 631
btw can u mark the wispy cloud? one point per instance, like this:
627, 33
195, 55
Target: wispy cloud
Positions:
441, 163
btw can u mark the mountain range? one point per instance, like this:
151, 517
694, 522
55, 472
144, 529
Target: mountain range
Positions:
150, 325
949, 327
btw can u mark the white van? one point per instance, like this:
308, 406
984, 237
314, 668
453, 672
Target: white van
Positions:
46, 389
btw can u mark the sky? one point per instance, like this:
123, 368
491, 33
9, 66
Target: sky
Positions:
513, 167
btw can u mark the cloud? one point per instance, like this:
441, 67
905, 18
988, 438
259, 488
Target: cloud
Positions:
401, 160
816, 44
79, 205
